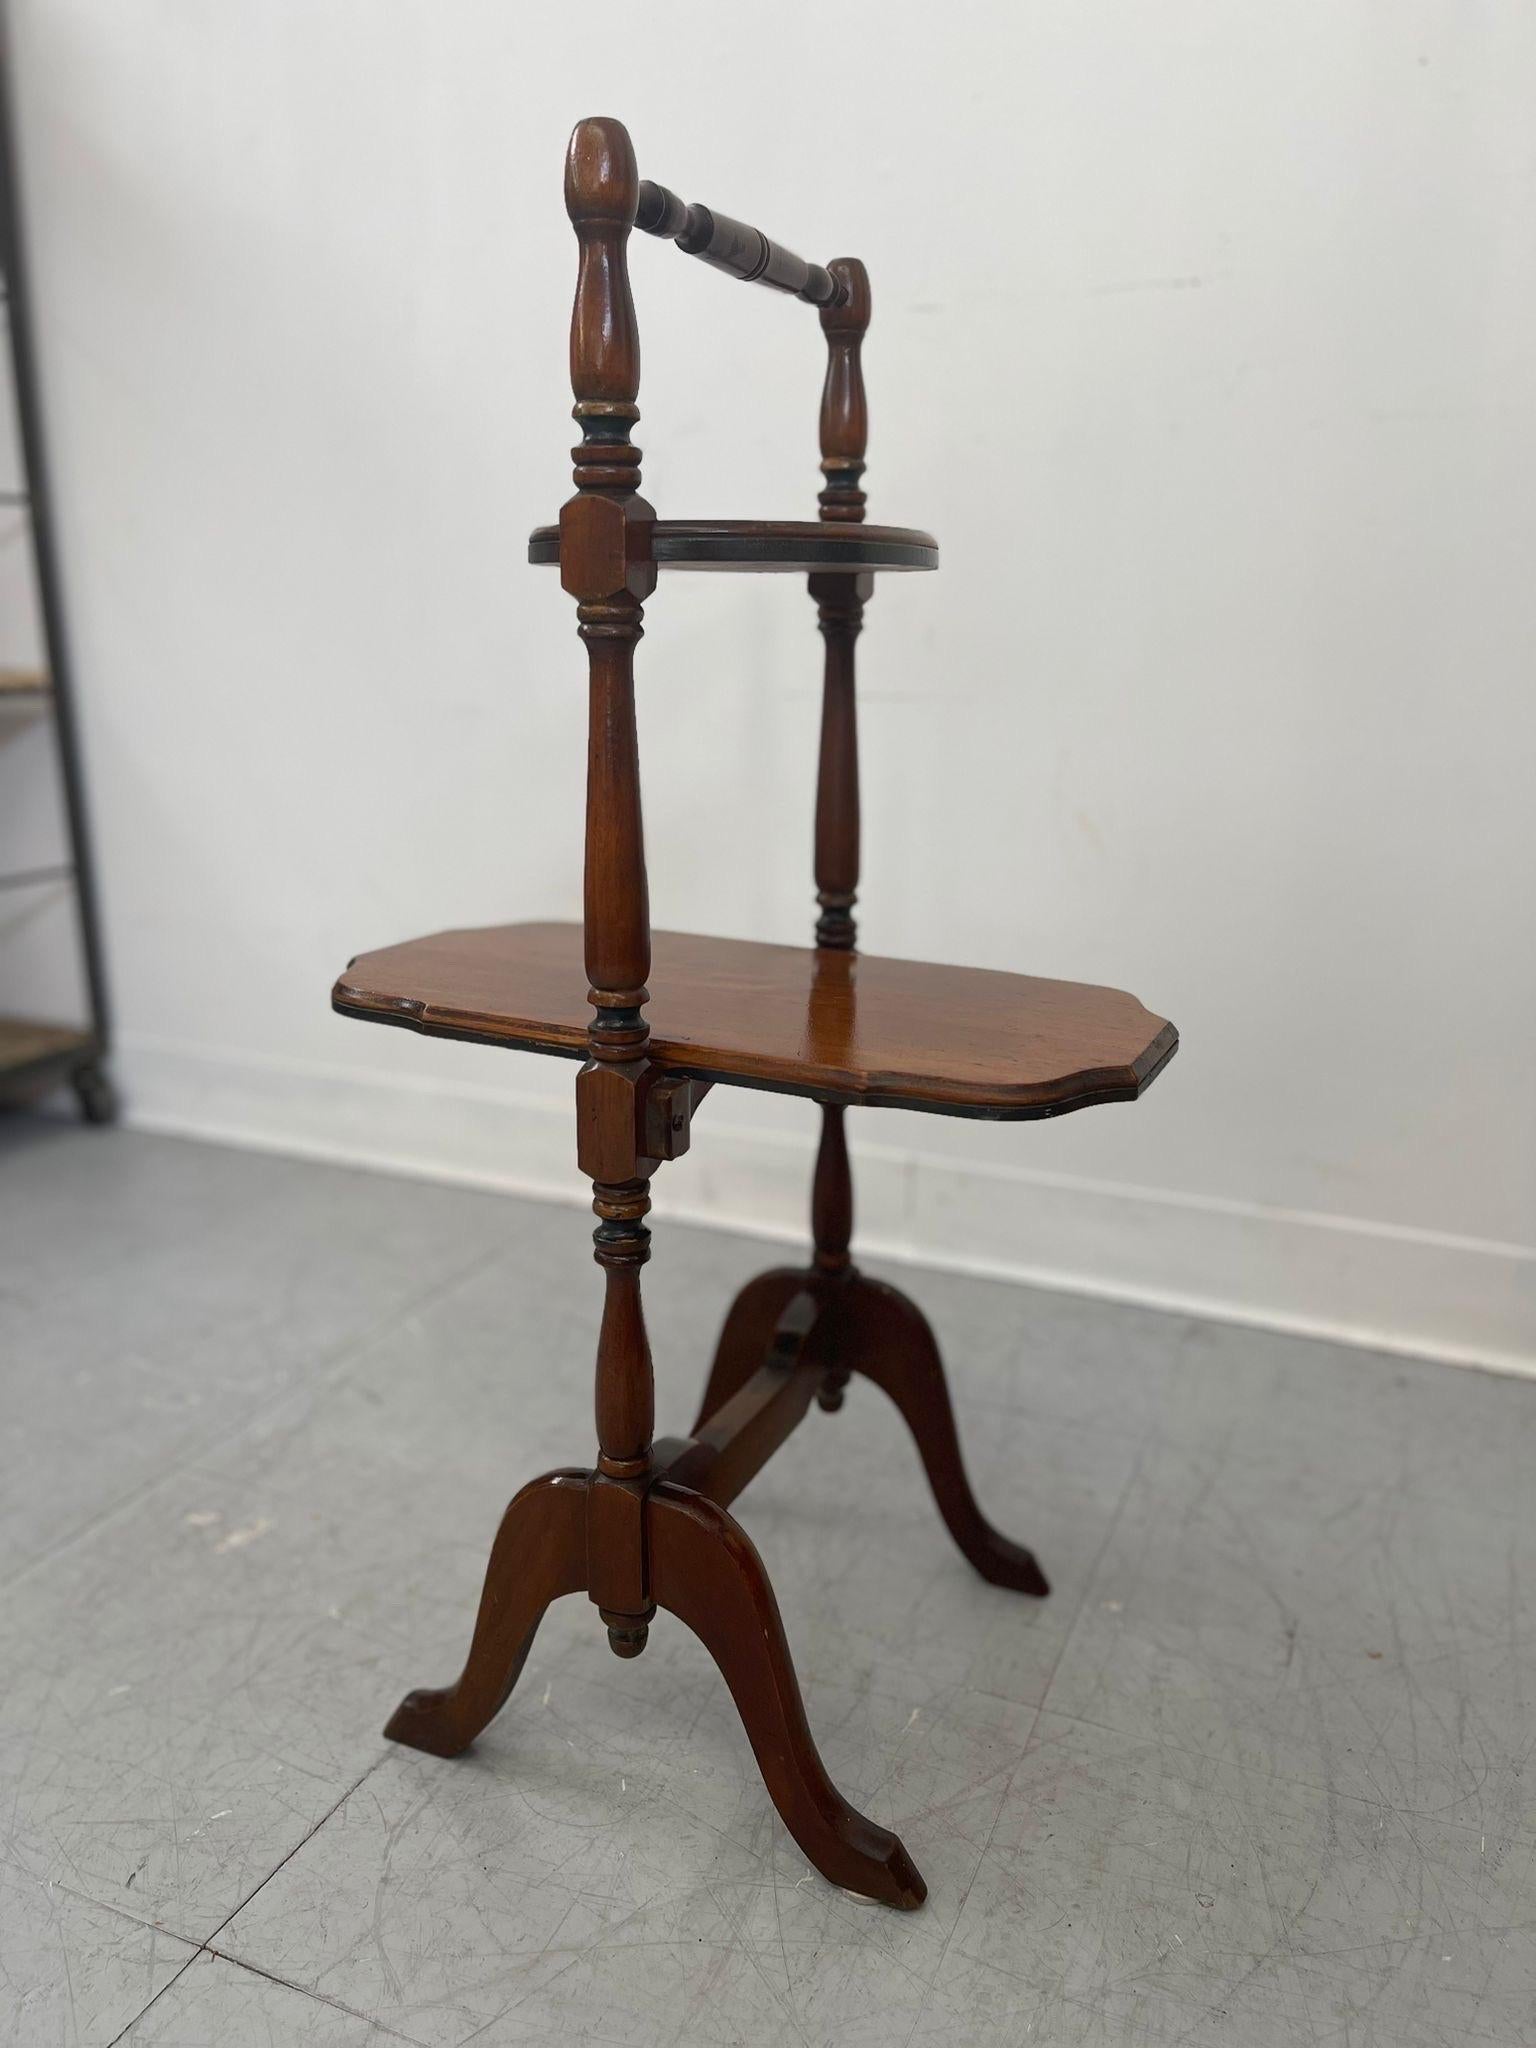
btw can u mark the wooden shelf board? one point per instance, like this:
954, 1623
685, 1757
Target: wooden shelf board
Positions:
782, 546
25, 1044
25, 683
847, 1027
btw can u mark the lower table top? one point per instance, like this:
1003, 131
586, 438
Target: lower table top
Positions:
843, 1027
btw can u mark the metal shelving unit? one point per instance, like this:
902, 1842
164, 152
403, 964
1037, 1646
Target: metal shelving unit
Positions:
39, 1054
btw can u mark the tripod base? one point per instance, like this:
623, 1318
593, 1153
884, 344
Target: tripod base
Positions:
790, 1336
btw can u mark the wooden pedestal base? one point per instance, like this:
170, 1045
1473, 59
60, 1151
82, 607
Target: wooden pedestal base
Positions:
791, 1336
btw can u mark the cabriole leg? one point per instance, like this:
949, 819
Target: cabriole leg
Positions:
540, 1553
705, 1570
886, 1338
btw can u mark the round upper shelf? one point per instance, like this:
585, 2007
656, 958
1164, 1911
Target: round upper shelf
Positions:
794, 546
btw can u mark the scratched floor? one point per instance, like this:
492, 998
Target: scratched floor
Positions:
1259, 1772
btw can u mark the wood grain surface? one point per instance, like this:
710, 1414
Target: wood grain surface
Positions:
844, 1026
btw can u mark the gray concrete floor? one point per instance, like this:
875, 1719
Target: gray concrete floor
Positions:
1259, 1772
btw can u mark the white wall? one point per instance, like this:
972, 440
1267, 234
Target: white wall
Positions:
1205, 339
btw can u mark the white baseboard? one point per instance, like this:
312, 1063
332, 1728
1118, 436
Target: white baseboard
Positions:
1378, 1285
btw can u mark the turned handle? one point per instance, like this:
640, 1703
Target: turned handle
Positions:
732, 246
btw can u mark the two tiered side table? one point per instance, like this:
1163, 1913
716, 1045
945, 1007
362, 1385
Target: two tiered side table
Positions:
648, 1525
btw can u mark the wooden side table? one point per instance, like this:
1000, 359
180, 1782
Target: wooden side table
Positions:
647, 1526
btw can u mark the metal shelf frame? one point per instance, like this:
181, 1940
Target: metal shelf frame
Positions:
36, 1057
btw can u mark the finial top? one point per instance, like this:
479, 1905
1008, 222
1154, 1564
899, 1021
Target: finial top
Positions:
602, 181
849, 313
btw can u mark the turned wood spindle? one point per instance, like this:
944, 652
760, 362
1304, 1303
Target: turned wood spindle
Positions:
605, 563
832, 1230
840, 601
844, 408
840, 615
605, 558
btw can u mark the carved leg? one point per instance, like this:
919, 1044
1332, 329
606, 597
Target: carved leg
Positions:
886, 1338
749, 1326
705, 1570
540, 1552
